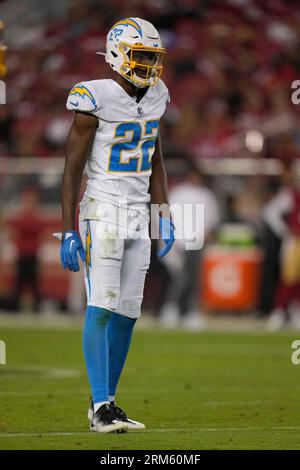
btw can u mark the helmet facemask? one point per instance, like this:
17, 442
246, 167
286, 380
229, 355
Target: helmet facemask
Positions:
142, 65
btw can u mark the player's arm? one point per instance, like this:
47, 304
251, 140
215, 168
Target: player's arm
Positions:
159, 195
80, 139
158, 178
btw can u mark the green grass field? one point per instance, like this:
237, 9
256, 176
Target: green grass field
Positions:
193, 391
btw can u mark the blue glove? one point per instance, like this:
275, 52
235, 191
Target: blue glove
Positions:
167, 229
70, 245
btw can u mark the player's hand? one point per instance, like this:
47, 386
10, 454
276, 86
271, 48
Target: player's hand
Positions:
167, 231
70, 246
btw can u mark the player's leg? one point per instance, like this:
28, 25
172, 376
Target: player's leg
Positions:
287, 286
286, 289
102, 279
192, 319
120, 329
294, 308
133, 272
170, 313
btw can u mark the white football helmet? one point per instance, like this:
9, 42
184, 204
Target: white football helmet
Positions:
134, 50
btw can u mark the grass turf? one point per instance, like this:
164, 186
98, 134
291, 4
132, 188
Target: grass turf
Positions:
193, 391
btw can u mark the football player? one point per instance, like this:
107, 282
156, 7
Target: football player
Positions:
115, 133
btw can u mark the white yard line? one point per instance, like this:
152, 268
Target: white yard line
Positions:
169, 430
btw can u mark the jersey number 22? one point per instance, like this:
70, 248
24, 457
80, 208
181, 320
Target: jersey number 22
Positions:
142, 160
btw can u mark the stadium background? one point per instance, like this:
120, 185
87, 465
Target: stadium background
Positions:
229, 68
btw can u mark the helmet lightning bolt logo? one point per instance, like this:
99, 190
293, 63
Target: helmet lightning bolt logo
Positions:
129, 22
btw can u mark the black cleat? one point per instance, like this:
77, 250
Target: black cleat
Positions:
105, 420
121, 416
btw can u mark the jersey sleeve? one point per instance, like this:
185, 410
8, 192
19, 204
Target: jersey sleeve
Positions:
168, 97
165, 92
83, 98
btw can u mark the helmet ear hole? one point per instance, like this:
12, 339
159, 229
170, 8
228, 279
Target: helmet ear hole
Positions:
114, 54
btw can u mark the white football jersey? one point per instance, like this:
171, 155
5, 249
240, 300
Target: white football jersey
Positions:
119, 164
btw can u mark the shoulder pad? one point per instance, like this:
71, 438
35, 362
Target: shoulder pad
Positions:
164, 90
82, 98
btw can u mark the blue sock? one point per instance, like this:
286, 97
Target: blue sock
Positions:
95, 349
119, 338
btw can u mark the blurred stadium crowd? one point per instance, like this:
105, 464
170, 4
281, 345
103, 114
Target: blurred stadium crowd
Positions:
230, 67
